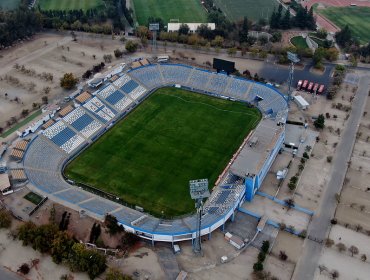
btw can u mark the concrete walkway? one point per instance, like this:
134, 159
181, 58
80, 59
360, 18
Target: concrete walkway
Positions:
320, 224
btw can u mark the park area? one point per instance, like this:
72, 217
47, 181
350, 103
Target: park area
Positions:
175, 136
64, 5
236, 9
183, 10
357, 18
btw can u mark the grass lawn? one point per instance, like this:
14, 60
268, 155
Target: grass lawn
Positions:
175, 136
20, 124
33, 197
69, 4
9, 4
183, 10
357, 18
253, 9
299, 42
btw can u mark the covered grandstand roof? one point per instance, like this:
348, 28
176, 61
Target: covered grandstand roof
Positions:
21, 145
83, 97
253, 154
18, 175
65, 110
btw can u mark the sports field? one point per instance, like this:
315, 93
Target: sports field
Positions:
236, 9
357, 18
9, 4
64, 5
174, 136
183, 10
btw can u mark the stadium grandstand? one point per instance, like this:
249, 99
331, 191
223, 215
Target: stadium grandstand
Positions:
92, 114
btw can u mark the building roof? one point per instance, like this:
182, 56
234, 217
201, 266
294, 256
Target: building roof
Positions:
301, 100
135, 64
21, 145
4, 182
18, 154
83, 97
18, 174
252, 155
175, 26
64, 112
48, 124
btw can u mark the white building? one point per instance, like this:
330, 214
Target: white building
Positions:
175, 26
301, 102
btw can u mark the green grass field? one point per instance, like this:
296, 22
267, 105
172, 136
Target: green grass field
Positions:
174, 136
9, 4
33, 198
184, 10
299, 42
21, 123
69, 4
236, 9
357, 18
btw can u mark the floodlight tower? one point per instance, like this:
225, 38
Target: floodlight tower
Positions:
198, 191
293, 60
154, 28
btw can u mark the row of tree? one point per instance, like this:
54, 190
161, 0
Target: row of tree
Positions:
303, 19
63, 249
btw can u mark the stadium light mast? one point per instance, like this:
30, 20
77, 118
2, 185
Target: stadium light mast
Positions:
293, 60
198, 191
154, 28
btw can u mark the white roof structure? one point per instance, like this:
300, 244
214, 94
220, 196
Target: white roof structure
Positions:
4, 182
301, 101
175, 26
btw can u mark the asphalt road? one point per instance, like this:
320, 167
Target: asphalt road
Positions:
319, 227
7, 275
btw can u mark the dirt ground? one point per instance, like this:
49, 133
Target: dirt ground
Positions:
290, 244
210, 267
50, 53
354, 206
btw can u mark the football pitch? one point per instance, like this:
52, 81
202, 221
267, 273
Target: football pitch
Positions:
64, 5
236, 9
357, 18
183, 10
174, 136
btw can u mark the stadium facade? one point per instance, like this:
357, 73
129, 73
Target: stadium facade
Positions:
93, 114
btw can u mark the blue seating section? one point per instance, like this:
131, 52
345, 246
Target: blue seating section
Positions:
63, 136
82, 122
130, 86
149, 76
175, 74
218, 83
222, 197
115, 97
74, 196
99, 206
199, 79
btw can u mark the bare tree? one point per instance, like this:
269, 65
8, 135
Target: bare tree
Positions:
322, 268
363, 257
329, 242
353, 250
334, 274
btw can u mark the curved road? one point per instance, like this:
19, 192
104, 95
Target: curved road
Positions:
320, 225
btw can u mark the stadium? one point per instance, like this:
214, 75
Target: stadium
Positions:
80, 125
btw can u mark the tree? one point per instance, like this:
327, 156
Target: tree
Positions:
116, 274
258, 266
24, 268
341, 247
285, 22
107, 58
320, 122
131, 46
329, 242
61, 247
111, 223
68, 81
265, 246
118, 53
142, 32
344, 37
243, 33
276, 37
353, 250
363, 257
283, 256
184, 29
5, 219
334, 274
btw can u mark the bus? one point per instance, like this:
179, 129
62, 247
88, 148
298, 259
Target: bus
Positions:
299, 85
304, 84
163, 58
310, 86
321, 89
